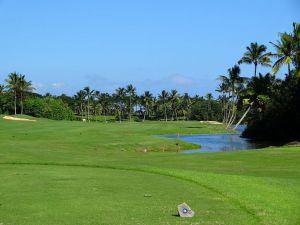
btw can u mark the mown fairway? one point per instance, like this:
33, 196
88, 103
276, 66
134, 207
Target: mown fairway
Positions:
61, 173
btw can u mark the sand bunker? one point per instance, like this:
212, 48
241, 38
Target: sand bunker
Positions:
17, 119
210, 122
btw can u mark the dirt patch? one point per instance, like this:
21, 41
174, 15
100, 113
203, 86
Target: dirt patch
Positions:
17, 119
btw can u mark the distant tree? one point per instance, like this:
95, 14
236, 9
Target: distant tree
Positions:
24, 87
131, 91
174, 100
88, 94
13, 81
255, 55
79, 98
146, 102
119, 96
209, 98
163, 98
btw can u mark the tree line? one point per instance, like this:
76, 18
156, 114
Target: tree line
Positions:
263, 101
92, 105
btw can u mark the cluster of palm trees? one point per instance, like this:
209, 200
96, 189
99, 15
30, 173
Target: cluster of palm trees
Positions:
18, 86
125, 103
237, 90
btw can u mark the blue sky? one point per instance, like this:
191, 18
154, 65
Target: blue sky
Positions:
64, 45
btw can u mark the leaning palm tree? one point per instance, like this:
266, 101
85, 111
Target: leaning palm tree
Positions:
164, 97
88, 94
24, 87
257, 93
284, 52
13, 85
235, 83
131, 91
255, 55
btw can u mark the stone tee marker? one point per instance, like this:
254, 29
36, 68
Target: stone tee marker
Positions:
184, 210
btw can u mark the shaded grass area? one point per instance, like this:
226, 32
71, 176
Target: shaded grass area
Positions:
57, 172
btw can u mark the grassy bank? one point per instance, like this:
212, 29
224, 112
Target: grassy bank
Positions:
58, 172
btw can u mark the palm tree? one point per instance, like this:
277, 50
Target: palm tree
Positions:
79, 98
146, 102
13, 86
209, 97
120, 95
296, 47
174, 98
284, 52
224, 89
105, 102
88, 94
235, 84
255, 54
164, 97
131, 91
24, 86
257, 93
185, 104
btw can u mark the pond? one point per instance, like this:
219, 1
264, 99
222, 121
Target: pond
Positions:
219, 142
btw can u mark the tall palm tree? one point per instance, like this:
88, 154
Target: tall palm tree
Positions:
296, 47
24, 87
120, 95
224, 90
284, 52
13, 85
174, 98
209, 97
185, 104
131, 91
255, 55
235, 83
105, 102
88, 94
164, 97
79, 98
146, 102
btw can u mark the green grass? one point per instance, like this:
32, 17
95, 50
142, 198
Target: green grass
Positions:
59, 172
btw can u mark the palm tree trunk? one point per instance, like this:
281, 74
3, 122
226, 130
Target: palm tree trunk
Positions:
88, 109
165, 111
289, 69
15, 103
247, 111
255, 65
130, 108
21, 102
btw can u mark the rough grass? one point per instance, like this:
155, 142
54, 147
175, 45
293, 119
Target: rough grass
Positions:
58, 172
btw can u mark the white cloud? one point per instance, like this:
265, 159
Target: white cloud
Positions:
57, 85
179, 79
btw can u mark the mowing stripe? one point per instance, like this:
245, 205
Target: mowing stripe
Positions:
234, 201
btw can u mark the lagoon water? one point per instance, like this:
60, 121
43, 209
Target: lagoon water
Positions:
218, 142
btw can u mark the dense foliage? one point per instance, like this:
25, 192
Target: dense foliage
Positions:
48, 107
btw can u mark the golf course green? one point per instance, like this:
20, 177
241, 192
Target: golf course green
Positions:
76, 173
